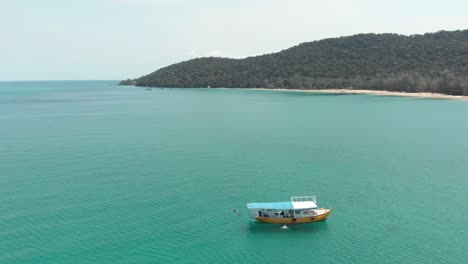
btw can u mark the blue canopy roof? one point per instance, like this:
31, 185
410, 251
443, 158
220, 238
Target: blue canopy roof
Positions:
278, 205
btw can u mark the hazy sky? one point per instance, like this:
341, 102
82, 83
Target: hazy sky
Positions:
116, 39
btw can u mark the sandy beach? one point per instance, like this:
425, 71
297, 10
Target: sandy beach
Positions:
372, 92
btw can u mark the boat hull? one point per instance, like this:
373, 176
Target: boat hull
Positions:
296, 220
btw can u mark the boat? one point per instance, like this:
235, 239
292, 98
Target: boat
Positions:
299, 210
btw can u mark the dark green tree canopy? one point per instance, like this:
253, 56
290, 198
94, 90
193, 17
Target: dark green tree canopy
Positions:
433, 62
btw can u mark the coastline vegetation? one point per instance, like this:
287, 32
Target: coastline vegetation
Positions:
433, 62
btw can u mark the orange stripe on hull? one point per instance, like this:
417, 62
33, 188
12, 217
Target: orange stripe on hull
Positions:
297, 220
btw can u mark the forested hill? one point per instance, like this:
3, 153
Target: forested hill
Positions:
433, 62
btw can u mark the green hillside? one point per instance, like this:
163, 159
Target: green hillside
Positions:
433, 62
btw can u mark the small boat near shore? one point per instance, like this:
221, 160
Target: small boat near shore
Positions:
299, 210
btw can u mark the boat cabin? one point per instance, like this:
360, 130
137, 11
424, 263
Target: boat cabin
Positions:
297, 207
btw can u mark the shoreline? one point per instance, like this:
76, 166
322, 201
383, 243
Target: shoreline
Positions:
372, 92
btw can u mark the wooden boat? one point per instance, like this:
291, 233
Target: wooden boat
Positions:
299, 210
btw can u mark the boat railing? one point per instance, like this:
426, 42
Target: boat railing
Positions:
310, 198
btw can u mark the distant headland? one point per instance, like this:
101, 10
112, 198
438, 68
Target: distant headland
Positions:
428, 63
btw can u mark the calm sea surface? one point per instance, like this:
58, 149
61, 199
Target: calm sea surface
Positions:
91, 172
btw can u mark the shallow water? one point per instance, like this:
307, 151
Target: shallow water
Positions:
91, 172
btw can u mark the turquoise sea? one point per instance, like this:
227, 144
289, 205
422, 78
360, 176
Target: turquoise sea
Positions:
92, 172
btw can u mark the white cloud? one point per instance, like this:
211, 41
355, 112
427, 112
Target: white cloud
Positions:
213, 53
155, 3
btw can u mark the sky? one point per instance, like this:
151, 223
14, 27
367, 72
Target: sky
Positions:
120, 39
